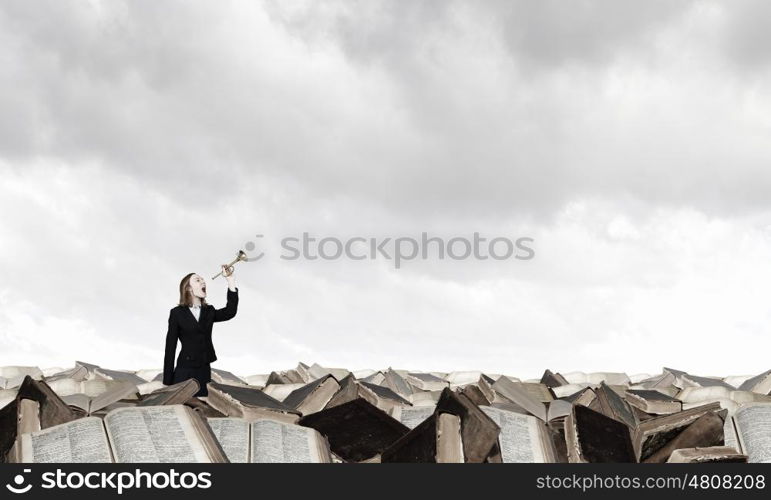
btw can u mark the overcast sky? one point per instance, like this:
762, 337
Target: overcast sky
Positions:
140, 141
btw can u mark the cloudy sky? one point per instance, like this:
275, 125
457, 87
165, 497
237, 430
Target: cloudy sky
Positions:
140, 141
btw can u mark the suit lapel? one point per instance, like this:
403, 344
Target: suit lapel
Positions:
190, 313
191, 317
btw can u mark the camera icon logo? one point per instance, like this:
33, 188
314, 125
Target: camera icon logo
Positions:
18, 483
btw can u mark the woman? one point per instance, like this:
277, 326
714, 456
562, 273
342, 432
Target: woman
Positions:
191, 322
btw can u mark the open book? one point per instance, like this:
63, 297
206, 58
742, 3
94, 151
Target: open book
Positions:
653, 434
269, 441
313, 396
248, 402
167, 434
751, 426
528, 396
77, 373
93, 395
175, 394
523, 438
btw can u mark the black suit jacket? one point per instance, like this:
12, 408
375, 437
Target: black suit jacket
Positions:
195, 335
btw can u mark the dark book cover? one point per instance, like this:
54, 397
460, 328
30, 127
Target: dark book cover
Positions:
297, 396
550, 379
8, 420
173, 394
356, 430
614, 406
572, 398
277, 378
348, 391
418, 446
385, 393
651, 395
478, 431
656, 432
53, 411
603, 439
397, 382
251, 397
705, 431
475, 395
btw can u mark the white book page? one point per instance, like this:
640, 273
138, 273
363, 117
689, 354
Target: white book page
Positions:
276, 442
753, 423
65, 386
153, 434
519, 438
412, 416
6, 396
233, 435
80, 441
729, 434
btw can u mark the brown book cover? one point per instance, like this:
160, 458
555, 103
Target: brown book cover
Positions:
478, 430
597, 438
356, 430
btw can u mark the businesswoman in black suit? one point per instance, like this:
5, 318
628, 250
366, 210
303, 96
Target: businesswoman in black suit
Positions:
191, 323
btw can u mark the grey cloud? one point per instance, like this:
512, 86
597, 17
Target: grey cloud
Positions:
428, 113
552, 32
747, 42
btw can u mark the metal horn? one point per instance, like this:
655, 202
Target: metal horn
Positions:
241, 256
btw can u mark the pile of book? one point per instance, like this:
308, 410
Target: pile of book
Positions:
317, 414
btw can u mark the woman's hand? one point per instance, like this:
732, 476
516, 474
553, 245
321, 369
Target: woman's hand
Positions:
228, 274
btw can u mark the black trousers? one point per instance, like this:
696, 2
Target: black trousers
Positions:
202, 375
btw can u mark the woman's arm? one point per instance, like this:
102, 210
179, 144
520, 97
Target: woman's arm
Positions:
231, 307
171, 348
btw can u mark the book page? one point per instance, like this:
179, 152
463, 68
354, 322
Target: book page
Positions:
539, 392
153, 434
519, 438
149, 387
65, 386
412, 416
96, 387
703, 394
6, 396
12, 372
516, 394
233, 435
276, 442
80, 400
729, 434
114, 392
79, 441
12, 383
559, 408
568, 390
753, 423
